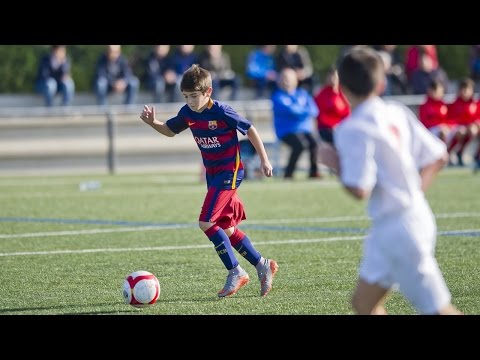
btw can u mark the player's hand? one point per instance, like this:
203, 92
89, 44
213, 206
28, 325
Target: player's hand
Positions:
148, 114
267, 168
327, 155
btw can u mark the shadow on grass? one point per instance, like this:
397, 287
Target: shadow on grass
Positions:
59, 307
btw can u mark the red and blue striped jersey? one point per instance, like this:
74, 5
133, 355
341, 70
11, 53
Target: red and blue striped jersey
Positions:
215, 132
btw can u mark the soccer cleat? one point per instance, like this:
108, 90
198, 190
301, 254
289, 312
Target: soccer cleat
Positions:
266, 274
234, 283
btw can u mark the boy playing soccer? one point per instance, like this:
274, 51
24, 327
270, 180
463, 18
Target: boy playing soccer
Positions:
214, 127
383, 153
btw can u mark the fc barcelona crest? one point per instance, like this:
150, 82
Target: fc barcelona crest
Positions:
212, 125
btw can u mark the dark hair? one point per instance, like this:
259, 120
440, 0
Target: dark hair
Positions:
361, 70
196, 78
434, 84
466, 83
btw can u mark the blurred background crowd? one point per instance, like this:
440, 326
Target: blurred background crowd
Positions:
300, 80
128, 69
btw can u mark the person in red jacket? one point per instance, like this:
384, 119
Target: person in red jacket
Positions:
332, 105
413, 57
433, 113
463, 113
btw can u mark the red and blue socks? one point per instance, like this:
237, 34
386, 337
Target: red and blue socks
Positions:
222, 246
242, 244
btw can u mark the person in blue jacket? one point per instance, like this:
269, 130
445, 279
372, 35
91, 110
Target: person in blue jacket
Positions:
294, 111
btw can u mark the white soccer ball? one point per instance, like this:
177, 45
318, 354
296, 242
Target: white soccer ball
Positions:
141, 288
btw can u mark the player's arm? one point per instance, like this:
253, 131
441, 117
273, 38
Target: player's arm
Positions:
357, 193
429, 172
429, 152
257, 143
328, 156
148, 116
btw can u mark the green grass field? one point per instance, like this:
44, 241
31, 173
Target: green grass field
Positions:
66, 251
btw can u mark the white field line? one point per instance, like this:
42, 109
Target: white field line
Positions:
191, 188
94, 231
180, 226
189, 247
353, 218
173, 248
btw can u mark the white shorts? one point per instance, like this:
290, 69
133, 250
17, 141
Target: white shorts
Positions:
399, 251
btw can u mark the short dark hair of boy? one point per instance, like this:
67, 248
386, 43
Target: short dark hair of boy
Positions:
361, 70
466, 83
196, 78
435, 84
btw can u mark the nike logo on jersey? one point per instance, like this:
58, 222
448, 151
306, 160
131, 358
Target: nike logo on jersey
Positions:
190, 123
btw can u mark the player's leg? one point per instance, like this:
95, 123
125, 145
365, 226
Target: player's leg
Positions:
232, 214
369, 299
415, 268
375, 279
215, 201
266, 268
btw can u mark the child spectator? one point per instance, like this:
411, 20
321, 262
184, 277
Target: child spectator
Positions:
160, 76
426, 72
332, 106
183, 57
463, 112
217, 62
261, 69
433, 113
298, 58
54, 76
113, 74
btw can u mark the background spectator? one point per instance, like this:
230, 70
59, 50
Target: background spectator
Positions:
298, 58
293, 112
261, 69
160, 77
114, 74
215, 60
182, 58
412, 61
396, 78
424, 75
474, 65
433, 113
463, 113
54, 77
332, 106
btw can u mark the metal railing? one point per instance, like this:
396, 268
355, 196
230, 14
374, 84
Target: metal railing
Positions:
258, 111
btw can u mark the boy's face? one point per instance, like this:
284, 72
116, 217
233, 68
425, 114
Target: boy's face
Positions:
196, 100
437, 94
466, 93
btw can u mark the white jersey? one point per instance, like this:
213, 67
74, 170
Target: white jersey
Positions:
381, 146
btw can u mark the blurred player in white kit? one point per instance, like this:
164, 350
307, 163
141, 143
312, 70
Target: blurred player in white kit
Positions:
384, 154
